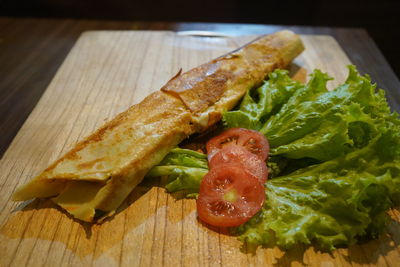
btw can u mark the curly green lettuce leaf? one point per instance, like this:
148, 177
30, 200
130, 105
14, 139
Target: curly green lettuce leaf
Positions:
331, 204
308, 121
259, 104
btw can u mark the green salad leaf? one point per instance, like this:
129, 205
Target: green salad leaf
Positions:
332, 204
264, 102
334, 161
314, 122
185, 168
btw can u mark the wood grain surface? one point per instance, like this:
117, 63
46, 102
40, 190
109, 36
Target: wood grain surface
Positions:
104, 74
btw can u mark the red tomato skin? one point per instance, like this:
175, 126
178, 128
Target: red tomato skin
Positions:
253, 141
215, 210
234, 154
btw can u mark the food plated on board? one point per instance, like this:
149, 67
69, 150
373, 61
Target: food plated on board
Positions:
332, 159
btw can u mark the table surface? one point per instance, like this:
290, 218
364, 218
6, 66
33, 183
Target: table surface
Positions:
31, 51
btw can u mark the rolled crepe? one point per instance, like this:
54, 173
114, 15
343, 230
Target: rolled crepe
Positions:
93, 179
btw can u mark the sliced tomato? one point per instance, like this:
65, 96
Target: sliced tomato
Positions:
239, 155
229, 196
253, 141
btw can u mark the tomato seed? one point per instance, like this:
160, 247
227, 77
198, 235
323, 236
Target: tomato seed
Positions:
222, 183
218, 207
229, 140
251, 145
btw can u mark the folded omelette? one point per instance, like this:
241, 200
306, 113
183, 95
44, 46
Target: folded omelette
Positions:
94, 178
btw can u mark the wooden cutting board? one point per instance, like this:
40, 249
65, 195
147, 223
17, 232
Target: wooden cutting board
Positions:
104, 74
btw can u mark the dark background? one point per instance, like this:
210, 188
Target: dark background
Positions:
380, 18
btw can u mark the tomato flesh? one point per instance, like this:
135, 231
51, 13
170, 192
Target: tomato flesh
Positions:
239, 155
229, 196
253, 141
